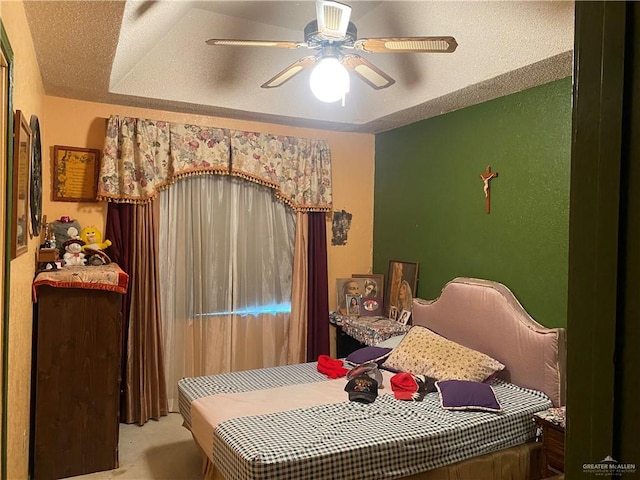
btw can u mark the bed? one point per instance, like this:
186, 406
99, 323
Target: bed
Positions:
293, 422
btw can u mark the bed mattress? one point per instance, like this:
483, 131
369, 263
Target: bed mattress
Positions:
193, 388
347, 440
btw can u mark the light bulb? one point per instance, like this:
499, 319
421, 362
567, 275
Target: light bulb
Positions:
329, 80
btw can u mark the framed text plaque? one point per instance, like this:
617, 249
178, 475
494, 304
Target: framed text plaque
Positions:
75, 174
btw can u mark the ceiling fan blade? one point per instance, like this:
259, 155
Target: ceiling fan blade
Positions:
407, 44
255, 43
367, 71
143, 7
333, 18
289, 72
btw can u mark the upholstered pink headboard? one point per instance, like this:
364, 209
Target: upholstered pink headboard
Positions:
486, 316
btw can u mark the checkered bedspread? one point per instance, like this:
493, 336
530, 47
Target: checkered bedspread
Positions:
352, 441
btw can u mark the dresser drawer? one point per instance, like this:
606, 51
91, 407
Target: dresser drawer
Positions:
550, 425
554, 446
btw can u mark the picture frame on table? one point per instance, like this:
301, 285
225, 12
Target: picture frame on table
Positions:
20, 184
393, 313
371, 307
353, 305
402, 283
373, 284
372, 291
344, 287
75, 174
404, 317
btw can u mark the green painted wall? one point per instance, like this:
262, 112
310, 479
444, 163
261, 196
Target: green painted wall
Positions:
429, 199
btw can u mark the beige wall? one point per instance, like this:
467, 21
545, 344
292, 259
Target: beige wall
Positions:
28, 96
82, 124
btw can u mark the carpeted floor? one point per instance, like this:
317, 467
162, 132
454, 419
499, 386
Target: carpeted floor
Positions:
162, 450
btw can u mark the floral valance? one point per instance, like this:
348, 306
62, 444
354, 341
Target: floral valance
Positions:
298, 169
142, 157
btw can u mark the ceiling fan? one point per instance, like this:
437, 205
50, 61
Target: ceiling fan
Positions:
335, 39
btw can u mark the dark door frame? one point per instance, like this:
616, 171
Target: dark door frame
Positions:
602, 226
7, 52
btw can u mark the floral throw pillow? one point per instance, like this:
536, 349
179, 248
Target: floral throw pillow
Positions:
424, 352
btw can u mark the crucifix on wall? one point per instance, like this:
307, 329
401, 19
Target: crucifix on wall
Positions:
486, 177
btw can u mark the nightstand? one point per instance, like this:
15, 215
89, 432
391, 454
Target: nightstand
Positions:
354, 332
551, 424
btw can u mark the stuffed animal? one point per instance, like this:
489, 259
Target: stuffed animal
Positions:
73, 252
64, 229
97, 257
93, 239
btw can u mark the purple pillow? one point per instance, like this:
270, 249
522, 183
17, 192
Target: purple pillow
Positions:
467, 395
368, 354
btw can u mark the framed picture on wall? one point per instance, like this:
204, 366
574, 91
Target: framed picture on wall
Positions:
75, 174
402, 282
20, 182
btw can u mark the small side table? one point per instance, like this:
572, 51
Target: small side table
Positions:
551, 424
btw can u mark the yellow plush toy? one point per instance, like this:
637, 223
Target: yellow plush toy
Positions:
93, 239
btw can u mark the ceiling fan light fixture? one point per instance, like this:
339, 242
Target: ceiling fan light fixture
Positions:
329, 80
333, 35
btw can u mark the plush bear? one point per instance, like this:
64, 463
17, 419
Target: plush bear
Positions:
93, 239
94, 246
73, 252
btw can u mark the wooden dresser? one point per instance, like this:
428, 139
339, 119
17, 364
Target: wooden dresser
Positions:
75, 375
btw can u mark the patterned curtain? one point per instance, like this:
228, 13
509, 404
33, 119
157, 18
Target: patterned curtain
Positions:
143, 157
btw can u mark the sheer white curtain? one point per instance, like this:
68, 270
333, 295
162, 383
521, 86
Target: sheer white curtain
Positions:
226, 265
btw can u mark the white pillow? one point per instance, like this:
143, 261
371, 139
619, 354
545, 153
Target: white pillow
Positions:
391, 342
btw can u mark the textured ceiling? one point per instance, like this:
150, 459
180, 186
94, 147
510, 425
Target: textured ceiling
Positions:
153, 54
